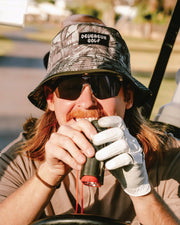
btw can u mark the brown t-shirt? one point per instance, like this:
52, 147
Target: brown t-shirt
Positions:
109, 200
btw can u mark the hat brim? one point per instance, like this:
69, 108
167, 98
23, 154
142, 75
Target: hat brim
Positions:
46, 59
73, 54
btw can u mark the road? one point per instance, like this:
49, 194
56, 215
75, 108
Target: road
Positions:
20, 71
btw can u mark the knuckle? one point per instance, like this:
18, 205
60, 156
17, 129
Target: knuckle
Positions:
53, 137
82, 122
61, 128
66, 142
123, 144
47, 145
76, 136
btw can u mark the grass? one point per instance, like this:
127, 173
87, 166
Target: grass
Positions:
144, 54
5, 45
165, 94
44, 33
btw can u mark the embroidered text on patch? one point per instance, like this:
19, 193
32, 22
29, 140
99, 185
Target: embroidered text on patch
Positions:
94, 38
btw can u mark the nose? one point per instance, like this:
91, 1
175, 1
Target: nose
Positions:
86, 99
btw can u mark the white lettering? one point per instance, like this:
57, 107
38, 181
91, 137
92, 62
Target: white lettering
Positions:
93, 40
96, 36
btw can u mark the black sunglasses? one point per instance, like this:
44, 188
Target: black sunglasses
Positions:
102, 86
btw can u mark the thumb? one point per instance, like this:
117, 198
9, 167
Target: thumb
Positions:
112, 121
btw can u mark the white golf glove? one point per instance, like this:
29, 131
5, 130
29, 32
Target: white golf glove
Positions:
124, 156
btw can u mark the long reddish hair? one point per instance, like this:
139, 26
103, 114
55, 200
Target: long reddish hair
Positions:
37, 132
150, 136
152, 139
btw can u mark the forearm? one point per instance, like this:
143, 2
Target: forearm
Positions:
152, 210
27, 203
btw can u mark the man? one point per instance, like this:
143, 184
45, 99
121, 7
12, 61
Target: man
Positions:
89, 78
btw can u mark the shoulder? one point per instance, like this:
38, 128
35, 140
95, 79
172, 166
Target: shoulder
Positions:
170, 159
165, 171
12, 147
15, 168
165, 176
12, 160
171, 155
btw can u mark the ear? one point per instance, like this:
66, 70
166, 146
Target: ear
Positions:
49, 97
129, 99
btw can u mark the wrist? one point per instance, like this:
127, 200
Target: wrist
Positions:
49, 175
45, 183
142, 190
139, 198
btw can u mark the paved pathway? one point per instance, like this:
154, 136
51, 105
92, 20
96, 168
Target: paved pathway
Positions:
20, 71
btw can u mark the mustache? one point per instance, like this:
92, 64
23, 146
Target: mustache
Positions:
93, 113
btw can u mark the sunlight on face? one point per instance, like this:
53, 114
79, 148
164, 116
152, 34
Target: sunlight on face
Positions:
87, 106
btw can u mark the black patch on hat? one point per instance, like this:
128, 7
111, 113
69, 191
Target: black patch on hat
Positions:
94, 38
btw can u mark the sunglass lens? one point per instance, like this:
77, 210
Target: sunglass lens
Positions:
70, 88
105, 86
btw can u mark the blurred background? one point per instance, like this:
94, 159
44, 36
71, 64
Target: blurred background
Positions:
142, 23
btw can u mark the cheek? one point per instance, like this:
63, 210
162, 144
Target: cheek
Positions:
120, 107
62, 107
109, 106
114, 106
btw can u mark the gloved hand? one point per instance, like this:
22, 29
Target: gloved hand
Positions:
124, 156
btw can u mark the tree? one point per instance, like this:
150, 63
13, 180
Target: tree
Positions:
164, 7
101, 9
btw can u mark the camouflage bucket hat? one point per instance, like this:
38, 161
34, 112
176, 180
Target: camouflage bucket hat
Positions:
88, 48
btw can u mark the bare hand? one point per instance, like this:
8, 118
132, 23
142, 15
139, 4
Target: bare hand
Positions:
69, 147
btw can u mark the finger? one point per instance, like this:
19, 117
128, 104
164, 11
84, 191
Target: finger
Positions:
111, 121
85, 126
109, 135
56, 155
119, 161
112, 150
67, 144
79, 139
